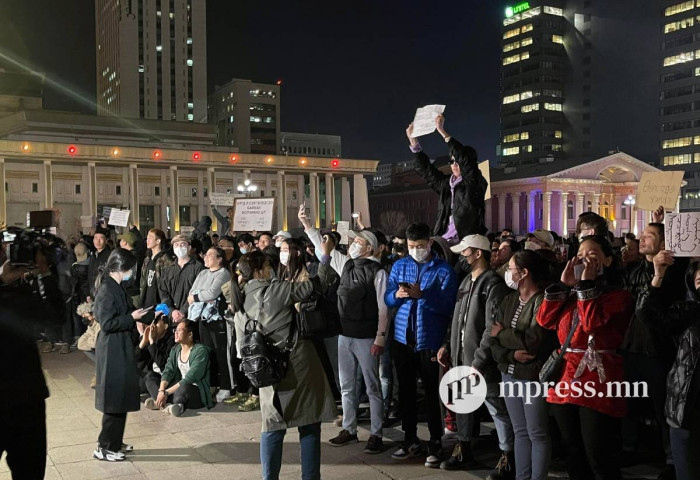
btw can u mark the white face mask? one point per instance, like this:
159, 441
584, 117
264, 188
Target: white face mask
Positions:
578, 270
420, 255
284, 258
180, 252
532, 246
509, 280
278, 244
354, 251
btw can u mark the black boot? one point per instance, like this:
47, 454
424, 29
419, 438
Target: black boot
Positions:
505, 468
461, 459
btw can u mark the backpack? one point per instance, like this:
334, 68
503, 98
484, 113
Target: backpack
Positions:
261, 361
318, 315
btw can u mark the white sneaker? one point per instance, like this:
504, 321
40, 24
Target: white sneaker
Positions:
150, 404
223, 395
108, 455
175, 409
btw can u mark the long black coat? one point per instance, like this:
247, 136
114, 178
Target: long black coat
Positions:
469, 206
117, 389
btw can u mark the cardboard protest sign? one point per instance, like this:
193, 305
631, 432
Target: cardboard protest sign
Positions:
424, 121
119, 218
223, 199
659, 188
186, 230
253, 214
486, 172
682, 231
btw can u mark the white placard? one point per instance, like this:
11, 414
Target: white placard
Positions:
659, 188
342, 228
87, 221
224, 199
253, 214
486, 172
424, 121
119, 218
186, 230
682, 231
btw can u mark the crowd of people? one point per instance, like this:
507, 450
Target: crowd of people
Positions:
166, 321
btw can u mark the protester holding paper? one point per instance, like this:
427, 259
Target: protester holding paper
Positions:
461, 207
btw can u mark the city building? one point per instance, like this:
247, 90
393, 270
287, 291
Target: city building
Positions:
578, 80
151, 59
310, 144
679, 114
247, 116
385, 172
162, 171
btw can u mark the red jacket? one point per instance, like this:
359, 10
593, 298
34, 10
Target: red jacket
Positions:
605, 314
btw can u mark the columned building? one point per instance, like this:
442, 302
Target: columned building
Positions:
553, 200
161, 171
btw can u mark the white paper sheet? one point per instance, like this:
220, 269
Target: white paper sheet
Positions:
424, 121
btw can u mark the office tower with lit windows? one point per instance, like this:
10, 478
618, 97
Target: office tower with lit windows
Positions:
247, 116
151, 59
680, 95
579, 79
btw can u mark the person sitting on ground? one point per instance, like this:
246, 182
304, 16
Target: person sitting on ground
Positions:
185, 381
158, 340
461, 207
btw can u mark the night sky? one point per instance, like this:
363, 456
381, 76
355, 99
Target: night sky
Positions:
356, 69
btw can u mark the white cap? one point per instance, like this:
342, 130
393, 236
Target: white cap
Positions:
472, 241
282, 234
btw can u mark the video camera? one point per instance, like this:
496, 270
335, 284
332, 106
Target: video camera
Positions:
25, 243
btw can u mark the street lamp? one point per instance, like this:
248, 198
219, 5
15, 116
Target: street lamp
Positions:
630, 201
247, 188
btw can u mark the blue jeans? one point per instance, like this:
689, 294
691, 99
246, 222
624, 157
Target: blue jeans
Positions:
685, 445
533, 447
310, 443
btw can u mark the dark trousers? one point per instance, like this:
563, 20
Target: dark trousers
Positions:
214, 336
409, 365
591, 440
642, 368
112, 433
686, 445
187, 394
23, 438
152, 383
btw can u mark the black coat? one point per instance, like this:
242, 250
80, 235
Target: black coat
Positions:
96, 261
469, 206
117, 389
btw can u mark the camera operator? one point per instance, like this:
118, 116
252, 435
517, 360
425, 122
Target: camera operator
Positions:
23, 391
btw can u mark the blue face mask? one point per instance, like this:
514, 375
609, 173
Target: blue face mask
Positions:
127, 276
244, 251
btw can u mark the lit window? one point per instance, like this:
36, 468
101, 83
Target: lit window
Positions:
172, 16
553, 106
159, 48
511, 98
680, 58
678, 159
511, 151
557, 133
189, 62
556, 147
524, 55
511, 33
158, 13
511, 138
554, 11
190, 105
511, 59
533, 107
526, 41
526, 28
679, 7
678, 142
679, 25
190, 117
557, 39
524, 136
526, 95
527, 148
696, 140
189, 41
141, 69
511, 46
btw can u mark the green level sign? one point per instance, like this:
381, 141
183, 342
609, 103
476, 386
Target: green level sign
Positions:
515, 9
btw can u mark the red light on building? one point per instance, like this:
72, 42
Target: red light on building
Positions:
279, 82
72, 150
157, 154
335, 163
232, 159
196, 156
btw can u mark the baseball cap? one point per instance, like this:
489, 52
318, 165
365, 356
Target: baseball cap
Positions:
282, 234
472, 241
544, 236
367, 236
129, 237
180, 238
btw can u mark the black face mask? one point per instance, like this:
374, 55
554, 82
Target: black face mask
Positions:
463, 265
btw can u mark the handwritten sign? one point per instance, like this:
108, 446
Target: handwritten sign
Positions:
253, 214
186, 230
119, 218
682, 231
659, 188
342, 228
486, 172
87, 221
224, 199
424, 121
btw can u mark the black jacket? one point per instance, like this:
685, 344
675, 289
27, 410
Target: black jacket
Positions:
469, 207
679, 323
150, 278
468, 338
79, 281
160, 351
637, 279
96, 261
357, 298
117, 389
175, 284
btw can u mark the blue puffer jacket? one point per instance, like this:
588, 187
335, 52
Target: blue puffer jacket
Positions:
432, 313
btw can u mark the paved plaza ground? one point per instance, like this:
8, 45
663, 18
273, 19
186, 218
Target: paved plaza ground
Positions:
221, 443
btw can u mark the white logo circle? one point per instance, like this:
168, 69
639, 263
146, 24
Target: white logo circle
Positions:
463, 389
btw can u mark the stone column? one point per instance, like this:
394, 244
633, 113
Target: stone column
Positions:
531, 215
330, 200
502, 199
596, 203
45, 176
633, 216
564, 215
515, 224
134, 195
488, 215
361, 198
92, 188
3, 197
678, 204
579, 204
201, 209
546, 211
174, 201
315, 200
346, 206
211, 186
282, 221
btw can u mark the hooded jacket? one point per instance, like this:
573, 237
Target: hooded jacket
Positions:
678, 323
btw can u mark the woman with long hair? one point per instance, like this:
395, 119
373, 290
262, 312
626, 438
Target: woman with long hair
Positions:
117, 390
292, 261
591, 302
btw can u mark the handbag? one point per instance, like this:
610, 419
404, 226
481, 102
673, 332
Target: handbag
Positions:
552, 368
261, 360
318, 316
